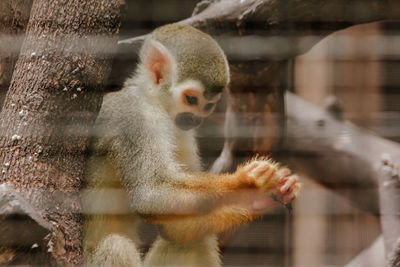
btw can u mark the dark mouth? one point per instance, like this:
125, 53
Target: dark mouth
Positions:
186, 121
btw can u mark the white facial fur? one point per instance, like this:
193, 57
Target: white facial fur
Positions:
195, 88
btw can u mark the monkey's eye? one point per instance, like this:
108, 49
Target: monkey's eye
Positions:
192, 100
209, 106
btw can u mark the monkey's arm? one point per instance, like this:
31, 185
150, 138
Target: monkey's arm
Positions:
158, 186
235, 207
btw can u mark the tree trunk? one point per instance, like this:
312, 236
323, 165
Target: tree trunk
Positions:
54, 96
14, 15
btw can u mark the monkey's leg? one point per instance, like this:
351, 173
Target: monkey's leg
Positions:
115, 251
196, 254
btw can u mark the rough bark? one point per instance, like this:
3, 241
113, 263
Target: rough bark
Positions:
54, 97
14, 15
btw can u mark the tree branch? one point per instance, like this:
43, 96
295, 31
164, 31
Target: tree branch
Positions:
22, 230
348, 159
370, 257
265, 30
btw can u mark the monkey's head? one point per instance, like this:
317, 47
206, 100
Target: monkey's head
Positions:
186, 70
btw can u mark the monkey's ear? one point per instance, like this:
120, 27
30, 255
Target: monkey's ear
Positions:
157, 62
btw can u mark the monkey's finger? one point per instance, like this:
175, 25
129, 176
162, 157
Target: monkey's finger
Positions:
297, 188
283, 172
264, 171
292, 194
251, 166
282, 176
288, 198
287, 187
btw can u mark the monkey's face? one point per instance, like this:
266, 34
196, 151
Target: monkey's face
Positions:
191, 106
187, 89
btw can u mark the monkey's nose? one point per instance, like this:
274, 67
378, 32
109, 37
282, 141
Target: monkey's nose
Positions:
186, 121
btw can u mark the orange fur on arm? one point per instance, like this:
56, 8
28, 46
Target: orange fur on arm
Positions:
220, 183
195, 228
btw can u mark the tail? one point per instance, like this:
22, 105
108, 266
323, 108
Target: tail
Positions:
115, 251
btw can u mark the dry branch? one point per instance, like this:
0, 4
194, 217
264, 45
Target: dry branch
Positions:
372, 256
23, 230
346, 158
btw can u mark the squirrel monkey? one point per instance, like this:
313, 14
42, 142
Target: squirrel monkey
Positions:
144, 142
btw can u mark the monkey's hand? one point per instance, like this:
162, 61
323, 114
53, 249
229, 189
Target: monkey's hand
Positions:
271, 180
